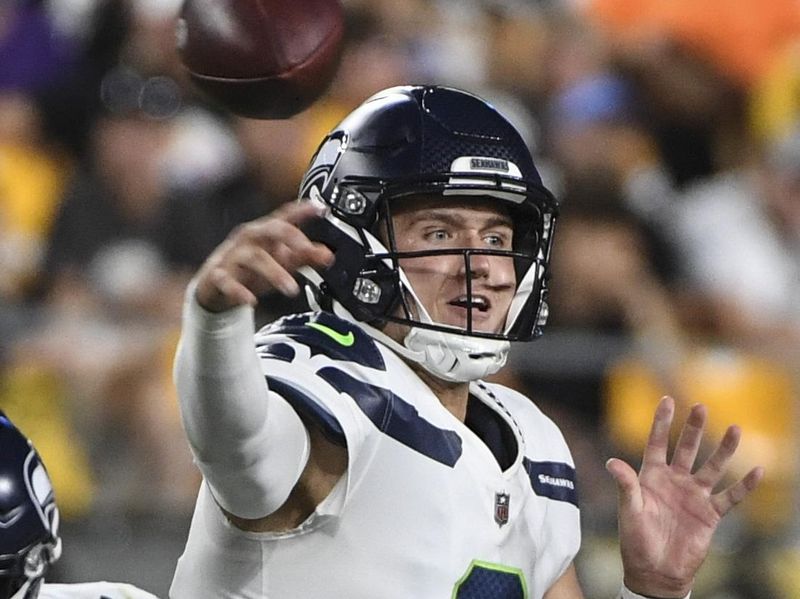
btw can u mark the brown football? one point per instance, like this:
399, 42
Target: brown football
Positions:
267, 59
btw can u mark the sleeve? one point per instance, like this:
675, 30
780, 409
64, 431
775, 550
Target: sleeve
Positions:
248, 442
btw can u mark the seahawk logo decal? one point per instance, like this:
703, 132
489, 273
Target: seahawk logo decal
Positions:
323, 164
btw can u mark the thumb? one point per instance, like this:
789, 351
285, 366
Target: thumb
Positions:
629, 493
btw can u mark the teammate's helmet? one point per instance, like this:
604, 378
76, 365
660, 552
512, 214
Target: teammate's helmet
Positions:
426, 140
29, 540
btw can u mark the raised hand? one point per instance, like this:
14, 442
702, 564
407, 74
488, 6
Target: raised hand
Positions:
260, 256
667, 514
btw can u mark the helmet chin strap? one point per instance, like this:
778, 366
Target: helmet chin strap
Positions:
455, 357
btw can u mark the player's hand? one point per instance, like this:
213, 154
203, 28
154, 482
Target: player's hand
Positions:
667, 515
260, 256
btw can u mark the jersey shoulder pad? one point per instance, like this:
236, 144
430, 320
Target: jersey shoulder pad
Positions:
322, 333
522, 408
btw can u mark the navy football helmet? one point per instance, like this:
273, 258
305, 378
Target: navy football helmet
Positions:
402, 143
29, 520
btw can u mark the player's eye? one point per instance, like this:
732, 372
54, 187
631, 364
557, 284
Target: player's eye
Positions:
497, 240
437, 235
494, 240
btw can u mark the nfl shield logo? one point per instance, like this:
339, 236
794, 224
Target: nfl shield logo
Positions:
501, 501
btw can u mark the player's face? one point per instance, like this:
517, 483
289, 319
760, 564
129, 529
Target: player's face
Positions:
441, 281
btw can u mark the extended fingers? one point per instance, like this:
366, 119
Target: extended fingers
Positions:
270, 272
276, 234
655, 452
714, 469
725, 500
218, 290
628, 490
689, 442
298, 212
237, 275
263, 270
259, 256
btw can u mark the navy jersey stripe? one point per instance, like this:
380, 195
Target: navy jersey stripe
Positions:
359, 348
555, 480
309, 409
397, 418
277, 351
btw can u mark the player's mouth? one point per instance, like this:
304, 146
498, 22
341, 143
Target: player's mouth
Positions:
479, 309
477, 303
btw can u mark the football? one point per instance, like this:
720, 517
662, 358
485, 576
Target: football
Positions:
265, 59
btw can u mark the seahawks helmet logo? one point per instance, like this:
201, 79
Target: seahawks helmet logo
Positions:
323, 164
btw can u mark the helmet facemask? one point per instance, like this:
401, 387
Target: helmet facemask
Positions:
449, 351
411, 310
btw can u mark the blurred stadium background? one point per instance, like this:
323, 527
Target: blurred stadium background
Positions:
669, 129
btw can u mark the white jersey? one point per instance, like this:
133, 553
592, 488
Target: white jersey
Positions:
93, 590
429, 507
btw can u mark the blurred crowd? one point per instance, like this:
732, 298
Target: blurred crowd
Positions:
669, 129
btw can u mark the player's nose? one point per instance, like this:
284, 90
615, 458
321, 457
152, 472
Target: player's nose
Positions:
478, 265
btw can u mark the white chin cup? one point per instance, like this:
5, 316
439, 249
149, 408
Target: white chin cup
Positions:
457, 358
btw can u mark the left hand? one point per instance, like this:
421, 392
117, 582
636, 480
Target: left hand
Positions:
667, 515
